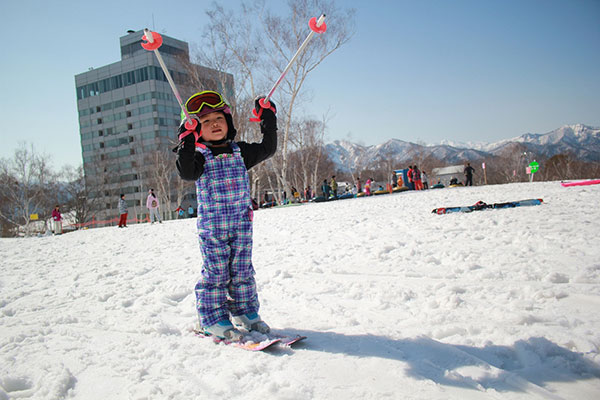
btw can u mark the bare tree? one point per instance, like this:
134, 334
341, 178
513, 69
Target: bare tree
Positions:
567, 166
26, 183
162, 175
227, 48
309, 151
284, 35
257, 53
320, 159
80, 199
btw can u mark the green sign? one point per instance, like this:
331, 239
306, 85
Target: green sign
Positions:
534, 167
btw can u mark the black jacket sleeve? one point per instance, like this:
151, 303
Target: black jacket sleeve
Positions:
255, 153
190, 163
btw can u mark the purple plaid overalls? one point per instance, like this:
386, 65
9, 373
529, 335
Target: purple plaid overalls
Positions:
227, 285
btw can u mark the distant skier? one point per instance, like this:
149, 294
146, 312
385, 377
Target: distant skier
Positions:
469, 175
334, 187
325, 189
368, 187
57, 220
416, 178
409, 176
209, 155
424, 180
122, 212
152, 205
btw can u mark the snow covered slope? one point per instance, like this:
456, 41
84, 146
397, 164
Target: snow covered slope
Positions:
397, 303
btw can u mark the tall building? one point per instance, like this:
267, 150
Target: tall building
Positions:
128, 119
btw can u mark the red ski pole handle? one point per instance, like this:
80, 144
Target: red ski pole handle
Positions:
264, 103
191, 124
317, 26
151, 40
257, 115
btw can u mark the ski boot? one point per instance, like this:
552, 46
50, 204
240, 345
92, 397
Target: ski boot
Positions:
224, 330
251, 322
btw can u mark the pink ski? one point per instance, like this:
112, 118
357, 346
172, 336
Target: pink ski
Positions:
246, 344
581, 183
286, 340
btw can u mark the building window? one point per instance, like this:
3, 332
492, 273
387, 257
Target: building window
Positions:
99, 120
108, 206
98, 109
129, 113
101, 145
100, 132
102, 157
131, 139
132, 151
127, 101
106, 193
129, 127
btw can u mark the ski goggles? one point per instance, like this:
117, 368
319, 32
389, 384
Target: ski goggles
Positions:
199, 102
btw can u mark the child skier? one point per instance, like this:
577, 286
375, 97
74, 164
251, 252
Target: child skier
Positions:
210, 156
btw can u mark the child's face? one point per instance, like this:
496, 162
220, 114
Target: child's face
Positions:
214, 126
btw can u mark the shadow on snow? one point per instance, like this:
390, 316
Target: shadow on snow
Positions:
503, 368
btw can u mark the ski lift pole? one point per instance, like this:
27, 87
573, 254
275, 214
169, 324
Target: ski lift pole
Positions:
316, 26
152, 41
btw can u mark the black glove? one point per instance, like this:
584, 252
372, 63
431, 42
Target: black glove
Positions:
190, 163
187, 138
193, 131
268, 120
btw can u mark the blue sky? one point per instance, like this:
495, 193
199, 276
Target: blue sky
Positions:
421, 71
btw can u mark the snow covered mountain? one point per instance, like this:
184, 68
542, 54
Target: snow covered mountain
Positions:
581, 140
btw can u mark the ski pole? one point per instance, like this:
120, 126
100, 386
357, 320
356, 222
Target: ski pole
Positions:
152, 41
316, 26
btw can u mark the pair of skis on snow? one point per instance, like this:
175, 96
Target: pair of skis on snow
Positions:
480, 205
256, 341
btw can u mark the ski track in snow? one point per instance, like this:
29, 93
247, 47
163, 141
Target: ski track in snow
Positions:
396, 302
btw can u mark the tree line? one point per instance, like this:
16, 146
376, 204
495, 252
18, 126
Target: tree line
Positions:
29, 185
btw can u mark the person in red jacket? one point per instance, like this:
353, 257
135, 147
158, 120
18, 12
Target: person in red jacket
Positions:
416, 177
409, 176
57, 220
